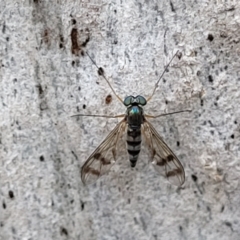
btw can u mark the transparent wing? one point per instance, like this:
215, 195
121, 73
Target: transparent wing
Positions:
163, 159
102, 159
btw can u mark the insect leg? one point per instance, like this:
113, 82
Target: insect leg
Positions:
156, 85
106, 116
101, 72
165, 114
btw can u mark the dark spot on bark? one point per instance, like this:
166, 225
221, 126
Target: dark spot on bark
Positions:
74, 39
194, 178
4, 205
222, 209
61, 38
74, 154
172, 7
45, 36
11, 194
84, 106
210, 78
40, 89
84, 44
210, 122
61, 41
232, 8
108, 99
82, 205
64, 231
43, 106
41, 158
13, 230
74, 21
4, 28
228, 224
210, 37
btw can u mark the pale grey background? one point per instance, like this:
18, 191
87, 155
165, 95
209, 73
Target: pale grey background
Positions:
42, 148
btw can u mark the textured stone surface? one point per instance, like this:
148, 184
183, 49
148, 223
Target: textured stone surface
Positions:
44, 79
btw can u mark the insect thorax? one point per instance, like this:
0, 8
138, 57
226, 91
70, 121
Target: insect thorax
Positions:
134, 116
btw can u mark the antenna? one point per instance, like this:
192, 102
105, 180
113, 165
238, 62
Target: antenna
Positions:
156, 85
101, 73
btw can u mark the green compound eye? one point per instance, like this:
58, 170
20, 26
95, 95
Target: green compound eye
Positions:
141, 100
128, 101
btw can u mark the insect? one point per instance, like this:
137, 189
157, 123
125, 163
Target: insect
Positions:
135, 121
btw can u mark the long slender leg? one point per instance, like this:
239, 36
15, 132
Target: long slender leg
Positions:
101, 72
156, 85
165, 114
106, 116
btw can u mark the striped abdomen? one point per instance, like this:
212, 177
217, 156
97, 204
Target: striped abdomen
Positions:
133, 144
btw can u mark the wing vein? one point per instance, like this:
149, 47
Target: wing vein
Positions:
164, 160
100, 161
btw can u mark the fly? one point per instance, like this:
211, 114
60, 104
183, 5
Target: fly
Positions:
162, 157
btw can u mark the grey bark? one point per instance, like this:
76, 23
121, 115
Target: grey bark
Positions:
45, 77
